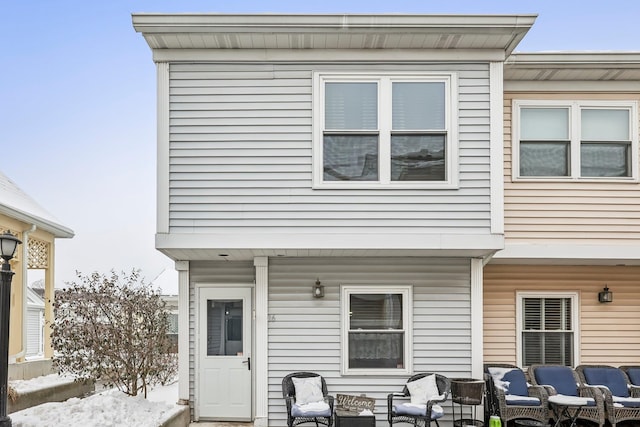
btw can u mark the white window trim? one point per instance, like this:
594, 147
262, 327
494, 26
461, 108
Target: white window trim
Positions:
384, 110
407, 322
574, 121
575, 324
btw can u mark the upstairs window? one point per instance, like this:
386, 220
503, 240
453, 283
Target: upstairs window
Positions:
575, 140
383, 131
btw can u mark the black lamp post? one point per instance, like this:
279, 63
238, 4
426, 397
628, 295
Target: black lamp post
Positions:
8, 245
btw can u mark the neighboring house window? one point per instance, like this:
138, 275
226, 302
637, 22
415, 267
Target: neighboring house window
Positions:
547, 329
376, 131
376, 336
575, 140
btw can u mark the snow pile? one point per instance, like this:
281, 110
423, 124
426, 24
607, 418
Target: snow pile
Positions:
38, 383
109, 408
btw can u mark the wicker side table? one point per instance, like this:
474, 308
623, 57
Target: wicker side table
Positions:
467, 394
352, 419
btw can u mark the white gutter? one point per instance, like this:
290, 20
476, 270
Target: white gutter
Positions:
25, 271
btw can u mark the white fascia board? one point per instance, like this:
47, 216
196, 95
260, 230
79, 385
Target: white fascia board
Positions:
58, 231
327, 55
385, 241
569, 254
380, 23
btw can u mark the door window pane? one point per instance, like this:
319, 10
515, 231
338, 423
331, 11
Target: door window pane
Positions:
351, 106
418, 105
544, 159
224, 328
605, 125
350, 158
418, 157
604, 159
544, 124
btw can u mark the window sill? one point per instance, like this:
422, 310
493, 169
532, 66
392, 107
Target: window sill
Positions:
377, 372
389, 186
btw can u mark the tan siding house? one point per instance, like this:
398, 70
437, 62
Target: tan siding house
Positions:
569, 233
38, 229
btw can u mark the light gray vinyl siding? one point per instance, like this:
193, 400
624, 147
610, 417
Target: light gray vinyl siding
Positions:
222, 273
241, 156
304, 332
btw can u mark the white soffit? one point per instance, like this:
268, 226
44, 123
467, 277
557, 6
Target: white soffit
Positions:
573, 66
332, 31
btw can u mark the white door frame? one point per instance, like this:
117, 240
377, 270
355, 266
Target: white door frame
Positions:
198, 345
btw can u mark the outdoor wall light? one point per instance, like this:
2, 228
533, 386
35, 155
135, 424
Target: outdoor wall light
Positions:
606, 295
318, 289
8, 245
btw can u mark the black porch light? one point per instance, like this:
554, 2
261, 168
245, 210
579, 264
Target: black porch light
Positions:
8, 246
605, 295
318, 289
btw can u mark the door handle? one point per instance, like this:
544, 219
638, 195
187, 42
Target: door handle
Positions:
248, 362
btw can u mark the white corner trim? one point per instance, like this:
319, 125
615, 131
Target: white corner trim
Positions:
261, 353
162, 184
477, 339
496, 151
183, 331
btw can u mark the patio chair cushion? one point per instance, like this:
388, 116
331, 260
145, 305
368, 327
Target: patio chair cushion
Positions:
510, 380
516, 400
423, 390
560, 377
308, 390
561, 399
634, 375
314, 409
612, 378
627, 402
418, 410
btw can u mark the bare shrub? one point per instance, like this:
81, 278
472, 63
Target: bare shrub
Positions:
113, 328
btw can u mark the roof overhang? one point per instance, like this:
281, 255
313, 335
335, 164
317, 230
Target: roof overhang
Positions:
573, 66
57, 230
332, 31
236, 247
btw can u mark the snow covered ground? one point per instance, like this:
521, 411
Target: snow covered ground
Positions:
105, 409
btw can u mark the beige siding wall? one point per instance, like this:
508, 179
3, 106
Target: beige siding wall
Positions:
609, 333
568, 212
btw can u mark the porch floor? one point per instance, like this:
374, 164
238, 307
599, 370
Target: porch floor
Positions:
219, 424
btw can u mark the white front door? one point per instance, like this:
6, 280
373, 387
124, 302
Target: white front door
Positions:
224, 354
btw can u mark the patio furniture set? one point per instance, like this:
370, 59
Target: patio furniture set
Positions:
592, 394
544, 395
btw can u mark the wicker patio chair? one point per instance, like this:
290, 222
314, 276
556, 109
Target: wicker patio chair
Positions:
620, 397
418, 416
295, 412
564, 381
510, 396
633, 374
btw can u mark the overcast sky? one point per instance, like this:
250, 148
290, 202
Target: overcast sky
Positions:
77, 104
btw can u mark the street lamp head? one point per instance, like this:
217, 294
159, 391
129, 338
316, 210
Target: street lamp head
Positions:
8, 245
